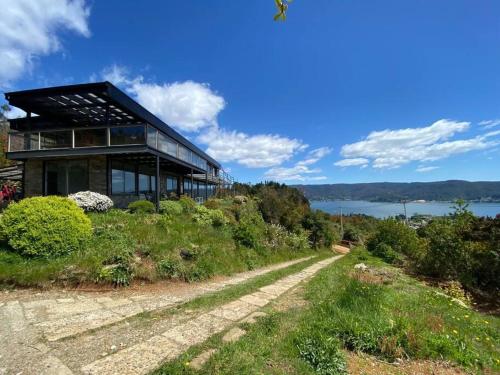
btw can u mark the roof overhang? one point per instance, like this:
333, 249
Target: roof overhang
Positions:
89, 104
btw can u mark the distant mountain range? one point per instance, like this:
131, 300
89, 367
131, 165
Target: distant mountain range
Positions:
395, 191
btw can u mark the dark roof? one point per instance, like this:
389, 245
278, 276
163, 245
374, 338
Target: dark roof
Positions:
86, 104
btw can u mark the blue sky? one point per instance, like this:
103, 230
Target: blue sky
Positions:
343, 91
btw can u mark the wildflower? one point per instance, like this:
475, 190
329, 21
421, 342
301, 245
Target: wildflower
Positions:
186, 364
487, 339
466, 316
486, 322
455, 332
478, 339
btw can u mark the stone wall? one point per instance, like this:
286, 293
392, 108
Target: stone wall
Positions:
33, 178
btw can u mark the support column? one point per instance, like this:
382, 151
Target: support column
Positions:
206, 185
157, 183
192, 183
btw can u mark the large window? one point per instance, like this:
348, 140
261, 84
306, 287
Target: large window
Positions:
90, 137
171, 185
147, 183
65, 177
122, 179
56, 139
152, 134
166, 145
187, 186
130, 135
185, 154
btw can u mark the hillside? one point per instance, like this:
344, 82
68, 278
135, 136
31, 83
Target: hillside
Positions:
391, 191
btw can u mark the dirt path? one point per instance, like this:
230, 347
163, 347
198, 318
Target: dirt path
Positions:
29, 322
133, 346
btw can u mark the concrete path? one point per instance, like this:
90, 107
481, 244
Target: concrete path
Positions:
76, 313
30, 321
75, 334
146, 356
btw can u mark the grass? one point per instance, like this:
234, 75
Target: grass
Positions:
143, 247
234, 292
382, 313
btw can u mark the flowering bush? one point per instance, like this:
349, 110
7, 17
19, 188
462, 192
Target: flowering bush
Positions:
91, 201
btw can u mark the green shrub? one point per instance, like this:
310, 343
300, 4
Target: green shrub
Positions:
299, 240
172, 208
322, 232
322, 353
212, 203
352, 234
250, 228
276, 236
447, 254
45, 226
401, 238
207, 216
202, 215
187, 203
171, 269
387, 253
142, 207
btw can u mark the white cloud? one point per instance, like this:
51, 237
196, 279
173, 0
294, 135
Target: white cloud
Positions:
423, 169
393, 148
254, 151
301, 171
29, 29
193, 107
352, 162
187, 106
315, 155
488, 124
14, 112
116, 74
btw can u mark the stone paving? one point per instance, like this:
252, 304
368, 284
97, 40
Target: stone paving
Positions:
58, 318
30, 329
28, 319
146, 356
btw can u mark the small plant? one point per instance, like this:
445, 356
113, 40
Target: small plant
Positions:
187, 203
455, 290
92, 202
322, 353
116, 274
172, 208
218, 218
171, 269
212, 203
45, 226
142, 207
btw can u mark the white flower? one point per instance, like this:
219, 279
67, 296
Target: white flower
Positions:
91, 201
361, 266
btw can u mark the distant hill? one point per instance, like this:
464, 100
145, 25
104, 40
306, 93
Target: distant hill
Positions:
395, 191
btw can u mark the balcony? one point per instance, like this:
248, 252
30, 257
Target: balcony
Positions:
102, 137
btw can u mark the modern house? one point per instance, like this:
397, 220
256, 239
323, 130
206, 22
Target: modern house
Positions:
95, 137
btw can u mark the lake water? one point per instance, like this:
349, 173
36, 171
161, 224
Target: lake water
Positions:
383, 209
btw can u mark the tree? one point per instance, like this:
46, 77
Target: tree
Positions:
282, 6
